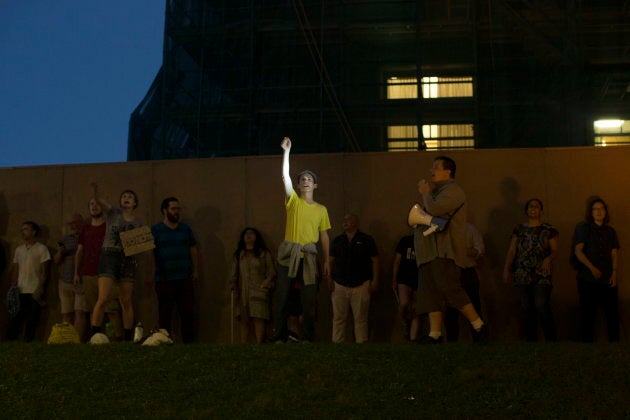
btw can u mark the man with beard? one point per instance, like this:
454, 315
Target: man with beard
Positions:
29, 273
176, 265
90, 243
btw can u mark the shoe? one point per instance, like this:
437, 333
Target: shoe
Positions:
427, 339
293, 338
480, 336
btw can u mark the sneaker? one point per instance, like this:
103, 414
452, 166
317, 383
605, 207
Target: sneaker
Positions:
427, 339
293, 338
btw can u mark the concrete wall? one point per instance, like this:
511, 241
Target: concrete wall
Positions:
221, 196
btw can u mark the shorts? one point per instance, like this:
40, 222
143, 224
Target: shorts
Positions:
440, 287
116, 266
408, 281
71, 297
90, 286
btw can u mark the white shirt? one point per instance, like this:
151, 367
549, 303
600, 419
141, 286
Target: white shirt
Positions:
30, 261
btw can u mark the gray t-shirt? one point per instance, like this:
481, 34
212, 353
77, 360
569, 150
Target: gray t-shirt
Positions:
116, 224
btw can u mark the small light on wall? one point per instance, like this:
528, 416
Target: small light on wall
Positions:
608, 123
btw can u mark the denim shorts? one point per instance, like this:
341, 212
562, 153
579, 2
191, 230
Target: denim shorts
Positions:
115, 265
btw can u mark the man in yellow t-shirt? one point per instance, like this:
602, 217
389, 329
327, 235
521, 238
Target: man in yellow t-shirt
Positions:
307, 224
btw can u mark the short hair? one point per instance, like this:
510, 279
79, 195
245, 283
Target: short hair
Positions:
135, 197
447, 163
166, 202
33, 226
533, 199
307, 172
589, 210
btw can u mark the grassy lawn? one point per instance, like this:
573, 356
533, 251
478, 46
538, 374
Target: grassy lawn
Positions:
565, 380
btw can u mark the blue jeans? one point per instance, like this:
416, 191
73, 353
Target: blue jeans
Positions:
308, 297
535, 306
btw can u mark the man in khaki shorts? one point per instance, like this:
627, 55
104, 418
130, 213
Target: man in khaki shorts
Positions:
71, 295
90, 242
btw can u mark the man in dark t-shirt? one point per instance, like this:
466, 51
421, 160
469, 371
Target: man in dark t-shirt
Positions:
355, 272
175, 268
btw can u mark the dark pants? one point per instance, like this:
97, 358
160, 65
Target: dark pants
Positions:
470, 283
180, 293
592, 295
29, 314
535, 306
308, 297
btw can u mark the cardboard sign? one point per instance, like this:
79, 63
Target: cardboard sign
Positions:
137, 240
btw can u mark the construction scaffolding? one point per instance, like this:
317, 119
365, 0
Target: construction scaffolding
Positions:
370, 75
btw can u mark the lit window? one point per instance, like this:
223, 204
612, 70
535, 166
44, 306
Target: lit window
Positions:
402, 88
448, 136
436, 137
611, 132
432, 87
447, 87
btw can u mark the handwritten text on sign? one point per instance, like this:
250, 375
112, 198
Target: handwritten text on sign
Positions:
137, 240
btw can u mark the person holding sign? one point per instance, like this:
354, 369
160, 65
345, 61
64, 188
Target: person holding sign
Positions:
113, 265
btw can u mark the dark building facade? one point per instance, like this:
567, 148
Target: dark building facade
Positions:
370, 75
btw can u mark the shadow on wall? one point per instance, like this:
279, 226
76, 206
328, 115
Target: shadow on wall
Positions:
498, 298
213, 324
383, 307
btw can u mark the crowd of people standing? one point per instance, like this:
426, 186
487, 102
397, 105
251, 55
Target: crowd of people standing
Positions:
434, 269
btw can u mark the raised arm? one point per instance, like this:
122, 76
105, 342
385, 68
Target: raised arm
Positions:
286, 176
104, 204
443, 204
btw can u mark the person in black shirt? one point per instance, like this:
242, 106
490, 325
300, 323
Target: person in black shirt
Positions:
405, 284
355, 273
596, 248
